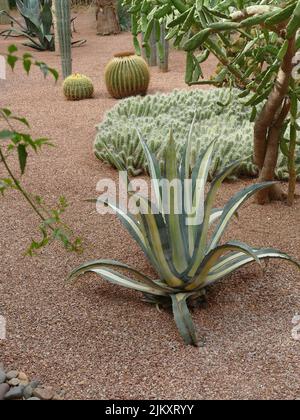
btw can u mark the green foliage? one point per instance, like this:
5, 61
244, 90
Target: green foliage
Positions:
14, 142
156, 114
77, 87
268, 34
186, 257
38, 20
124, 17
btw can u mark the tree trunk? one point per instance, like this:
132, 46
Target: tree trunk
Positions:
268, 128
107, 17
4, 6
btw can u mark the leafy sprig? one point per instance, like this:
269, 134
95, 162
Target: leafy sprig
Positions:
19, 143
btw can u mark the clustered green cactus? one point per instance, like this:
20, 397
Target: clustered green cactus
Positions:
155, 115
77, 87
127, 75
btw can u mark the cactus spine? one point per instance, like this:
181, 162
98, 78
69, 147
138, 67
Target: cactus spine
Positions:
77, 87
127, 75
63, 27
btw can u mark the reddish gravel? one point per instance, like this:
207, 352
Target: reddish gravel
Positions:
98, 341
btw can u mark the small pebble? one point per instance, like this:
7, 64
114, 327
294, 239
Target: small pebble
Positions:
58, 397
23, 377
12, 374
33, 399
28, 392
15, 393
4, 388
2, 377
14, 382
45, 394
34, 384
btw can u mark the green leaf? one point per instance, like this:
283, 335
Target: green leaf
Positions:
232, 207
22, 154
212, 257
183, 319
27, 65
12, 49
98, 264
6, 134
11, 61
236, 260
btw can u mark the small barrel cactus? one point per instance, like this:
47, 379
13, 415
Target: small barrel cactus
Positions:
127, 75
77, 87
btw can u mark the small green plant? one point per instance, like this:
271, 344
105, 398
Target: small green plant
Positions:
186, 257
77, 87
14, 142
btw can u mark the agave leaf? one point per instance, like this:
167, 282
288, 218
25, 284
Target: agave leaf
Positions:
183, 319
232, 207
231, 263
199, 179
173, 219
153, 169
201, 241
185, 169
158, 238
46, 18
137, 231
100, 264
215, 215
213, 256
121, 280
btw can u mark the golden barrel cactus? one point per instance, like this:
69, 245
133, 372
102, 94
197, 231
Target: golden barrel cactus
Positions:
127, 75
77, 87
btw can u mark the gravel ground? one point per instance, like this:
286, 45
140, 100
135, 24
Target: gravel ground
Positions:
98, 341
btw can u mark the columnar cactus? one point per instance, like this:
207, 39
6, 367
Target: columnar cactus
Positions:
154, 115
63, 27
4, 6
77, 87
127, 75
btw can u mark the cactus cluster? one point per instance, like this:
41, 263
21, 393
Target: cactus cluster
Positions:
127, 75
77, 87
154, 115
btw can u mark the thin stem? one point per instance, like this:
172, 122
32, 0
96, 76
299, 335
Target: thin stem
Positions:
20, 188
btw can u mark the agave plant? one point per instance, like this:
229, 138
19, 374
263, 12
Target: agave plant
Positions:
38, 19
187, 257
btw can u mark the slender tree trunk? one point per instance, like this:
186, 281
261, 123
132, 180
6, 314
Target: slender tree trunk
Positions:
4, 6
268, 128
107, 17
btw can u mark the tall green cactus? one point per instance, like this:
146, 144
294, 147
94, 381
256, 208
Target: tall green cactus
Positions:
4, 6
63, 25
